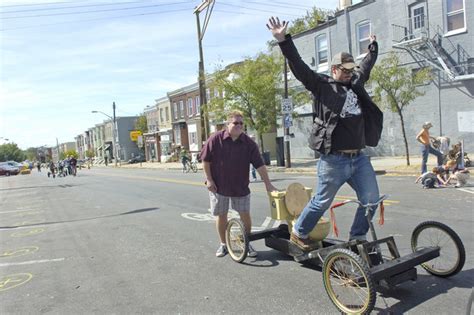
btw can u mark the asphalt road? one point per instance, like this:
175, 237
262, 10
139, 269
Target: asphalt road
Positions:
142, 241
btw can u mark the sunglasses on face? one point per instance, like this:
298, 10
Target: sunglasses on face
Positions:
237, 123
346, 71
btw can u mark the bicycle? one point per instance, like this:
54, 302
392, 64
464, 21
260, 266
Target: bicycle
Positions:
190, 166
352, 269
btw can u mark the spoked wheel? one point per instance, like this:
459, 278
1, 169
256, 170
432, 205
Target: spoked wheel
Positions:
194, 167
452, 254
348, 282
236, 240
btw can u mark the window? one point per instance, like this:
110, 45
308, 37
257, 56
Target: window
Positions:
198, 105
181, 108
321, 49
193, 138
175, 109
418, 17
167, 113
161, 115
190, 107
177, 135
455, 17
208, 94
363, 36
216, 92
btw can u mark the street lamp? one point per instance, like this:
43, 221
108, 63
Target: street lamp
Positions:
113, 120
202, 81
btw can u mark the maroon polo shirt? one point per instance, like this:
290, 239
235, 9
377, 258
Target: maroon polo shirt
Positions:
230, 162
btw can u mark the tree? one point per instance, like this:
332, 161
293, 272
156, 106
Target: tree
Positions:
31, 153
64, 155
90, 154
11, 152
313, 18
396, 87
141, 124
252, 86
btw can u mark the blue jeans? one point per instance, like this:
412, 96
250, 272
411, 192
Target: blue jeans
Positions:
333, 172
425, 150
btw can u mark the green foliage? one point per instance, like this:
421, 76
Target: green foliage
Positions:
11, 152
310, 20
31, 154
141, 124
65, 155
90, 154
396, 86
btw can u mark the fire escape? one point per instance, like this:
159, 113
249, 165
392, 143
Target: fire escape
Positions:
427, 46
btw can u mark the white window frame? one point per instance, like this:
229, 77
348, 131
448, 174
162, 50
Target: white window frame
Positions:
181, 108
175, 108
208, 94
321, 66
197, 99
190, 106
358, 26
445, 17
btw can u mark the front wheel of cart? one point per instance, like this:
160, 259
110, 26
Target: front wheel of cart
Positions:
452, 254
236, 240
348, 282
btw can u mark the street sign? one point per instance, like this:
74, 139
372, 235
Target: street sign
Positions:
288, 120
287, 105
134, 135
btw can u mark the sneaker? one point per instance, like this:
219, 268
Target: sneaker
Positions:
221, 251
252, 252
303, 243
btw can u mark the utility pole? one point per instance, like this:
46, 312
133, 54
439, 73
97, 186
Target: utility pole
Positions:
287, 128
114, 134
202, 79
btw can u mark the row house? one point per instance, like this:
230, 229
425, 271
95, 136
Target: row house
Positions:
151, 139
165, 128
424, 33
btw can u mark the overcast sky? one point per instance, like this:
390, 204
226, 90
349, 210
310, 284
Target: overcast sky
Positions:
62, 59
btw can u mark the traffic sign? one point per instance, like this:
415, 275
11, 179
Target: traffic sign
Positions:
287, 105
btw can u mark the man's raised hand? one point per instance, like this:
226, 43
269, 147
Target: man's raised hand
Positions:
277, 28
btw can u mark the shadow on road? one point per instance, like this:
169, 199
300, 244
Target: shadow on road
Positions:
41, 187
80, 220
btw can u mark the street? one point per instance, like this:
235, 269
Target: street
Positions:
142, 241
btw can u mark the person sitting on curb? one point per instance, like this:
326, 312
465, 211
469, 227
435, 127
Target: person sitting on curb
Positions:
429, 179
460, 175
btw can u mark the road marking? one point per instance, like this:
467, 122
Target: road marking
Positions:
27, 233
466, 190
30, 262
19, 252
14, 211
10, 281
28, 213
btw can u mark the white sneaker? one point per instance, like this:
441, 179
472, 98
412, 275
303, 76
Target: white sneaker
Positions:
221, 251
252, 252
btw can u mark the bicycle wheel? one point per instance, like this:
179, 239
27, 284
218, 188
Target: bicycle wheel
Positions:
348, 282
236, 240
194, 167
452, 254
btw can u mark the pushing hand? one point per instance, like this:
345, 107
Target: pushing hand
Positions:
277, 28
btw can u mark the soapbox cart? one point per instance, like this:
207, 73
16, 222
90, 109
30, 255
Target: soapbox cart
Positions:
352, 269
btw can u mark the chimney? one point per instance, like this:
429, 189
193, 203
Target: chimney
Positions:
344, 4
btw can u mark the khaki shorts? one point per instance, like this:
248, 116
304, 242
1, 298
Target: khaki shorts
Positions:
220, 204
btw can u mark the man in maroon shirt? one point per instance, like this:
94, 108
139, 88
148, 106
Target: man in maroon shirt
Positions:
226, 157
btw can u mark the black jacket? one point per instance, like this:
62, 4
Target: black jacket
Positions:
329, 97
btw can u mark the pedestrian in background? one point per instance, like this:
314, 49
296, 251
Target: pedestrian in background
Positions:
345, 120
226, 157
424, 138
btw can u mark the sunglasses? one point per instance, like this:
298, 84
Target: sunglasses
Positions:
238, 123
346, 71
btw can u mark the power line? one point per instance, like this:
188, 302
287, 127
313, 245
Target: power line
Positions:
93, 11
69, 7
95, 19
279, 4
31, 4
253, 9
254, 14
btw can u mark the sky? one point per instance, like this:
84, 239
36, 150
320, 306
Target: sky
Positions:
62, 59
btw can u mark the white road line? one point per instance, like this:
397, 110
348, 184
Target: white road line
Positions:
266, 222
30, 262
466, 190
23, 210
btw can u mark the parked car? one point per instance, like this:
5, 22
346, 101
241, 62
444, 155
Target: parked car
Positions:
136, 159
7, 170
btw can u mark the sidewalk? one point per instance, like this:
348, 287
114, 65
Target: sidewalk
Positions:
382, 165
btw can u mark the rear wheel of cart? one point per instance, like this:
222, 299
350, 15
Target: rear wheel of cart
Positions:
236, 240
348, 282
452, 254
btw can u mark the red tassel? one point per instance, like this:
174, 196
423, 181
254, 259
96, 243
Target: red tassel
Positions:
381, 216
333, 221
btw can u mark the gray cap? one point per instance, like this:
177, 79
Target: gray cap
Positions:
344, 59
